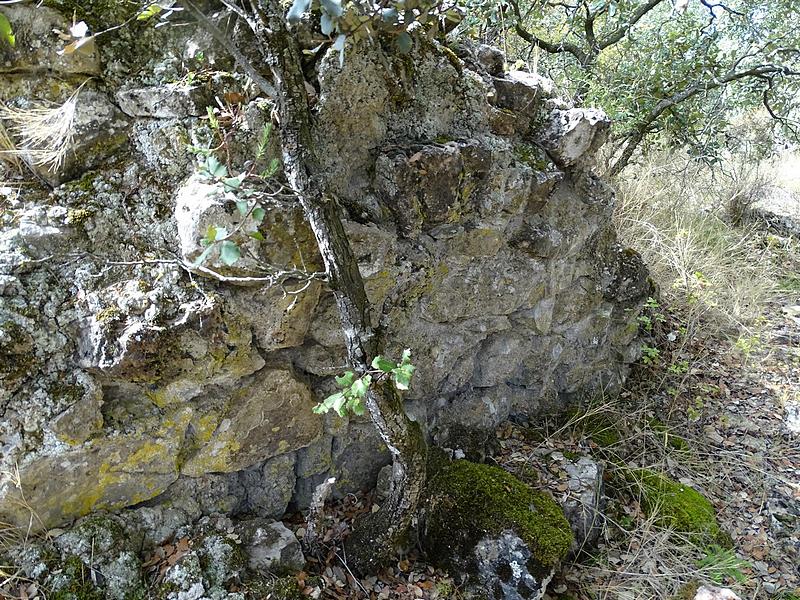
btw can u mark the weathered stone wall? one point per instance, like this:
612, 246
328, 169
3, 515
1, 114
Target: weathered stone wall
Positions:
125, 378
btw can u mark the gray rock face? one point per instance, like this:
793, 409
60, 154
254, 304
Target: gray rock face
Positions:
270, 547
130, 377
583, 504
506, 570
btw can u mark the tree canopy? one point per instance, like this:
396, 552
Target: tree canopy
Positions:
683, 68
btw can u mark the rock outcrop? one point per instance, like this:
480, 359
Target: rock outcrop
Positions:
130, 378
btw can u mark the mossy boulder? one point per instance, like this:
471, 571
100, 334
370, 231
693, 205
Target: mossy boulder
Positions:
676, 505
467, 502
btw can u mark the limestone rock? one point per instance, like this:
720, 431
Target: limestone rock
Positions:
106, 473
573, 136
496, 263
267, 416
102, 542
583, 504
715, 593
778, 209
165, 102
507, 571
37, 46
271, 548
522, 92
491, 59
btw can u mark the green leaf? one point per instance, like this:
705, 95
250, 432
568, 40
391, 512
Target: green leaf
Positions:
404, 42
326, 24
295, 13
6, 31
405, 359
229, 252
258, 214
232, 183
382, 364
151, 11
256, 235
218, 233
200, 259
332, 7
356, 405
389, 15
242, 206
334, 401
215, 168
346, 380
360, 386
402, 376
273, 167
338, 44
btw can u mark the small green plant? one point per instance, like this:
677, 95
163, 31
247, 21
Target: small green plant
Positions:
650, 354
246, 199
679, 368
650, 315
6, 31
695, 411
719, 563
746, 345
354, 390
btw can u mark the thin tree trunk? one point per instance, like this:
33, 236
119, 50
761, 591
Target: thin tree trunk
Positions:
373, 541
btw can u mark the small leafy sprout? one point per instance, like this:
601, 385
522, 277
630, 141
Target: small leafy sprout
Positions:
6, 31
354, 390
650, 354
261, 151
163, 10
213, 168
229, 250
720, 562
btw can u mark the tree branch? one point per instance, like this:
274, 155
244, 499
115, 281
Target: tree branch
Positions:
635, 136
552, 48
623, 29
226, 43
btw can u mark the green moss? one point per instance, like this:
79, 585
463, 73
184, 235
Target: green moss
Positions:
675, 505
599, 427
284, 588
76, 582
99, 14
533, 156
670, 439
687, 592
468, 501
77, 216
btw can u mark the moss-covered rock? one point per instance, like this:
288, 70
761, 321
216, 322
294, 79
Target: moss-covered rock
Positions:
74, 582
283, 588
676, 505
467, 502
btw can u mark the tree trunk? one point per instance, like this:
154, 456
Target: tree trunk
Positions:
373, 541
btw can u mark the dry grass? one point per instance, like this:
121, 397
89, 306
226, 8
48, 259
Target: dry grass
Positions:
675, 213
44, 131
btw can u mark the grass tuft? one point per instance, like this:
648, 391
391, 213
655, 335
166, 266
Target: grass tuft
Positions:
44, 131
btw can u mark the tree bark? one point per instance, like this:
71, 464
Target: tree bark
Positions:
374, 541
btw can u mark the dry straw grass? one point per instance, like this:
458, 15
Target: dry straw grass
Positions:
44, 132
677, 214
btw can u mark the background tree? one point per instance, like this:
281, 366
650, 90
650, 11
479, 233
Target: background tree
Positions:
683, 69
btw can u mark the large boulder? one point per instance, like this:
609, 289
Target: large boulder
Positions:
485, 243
482, 521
